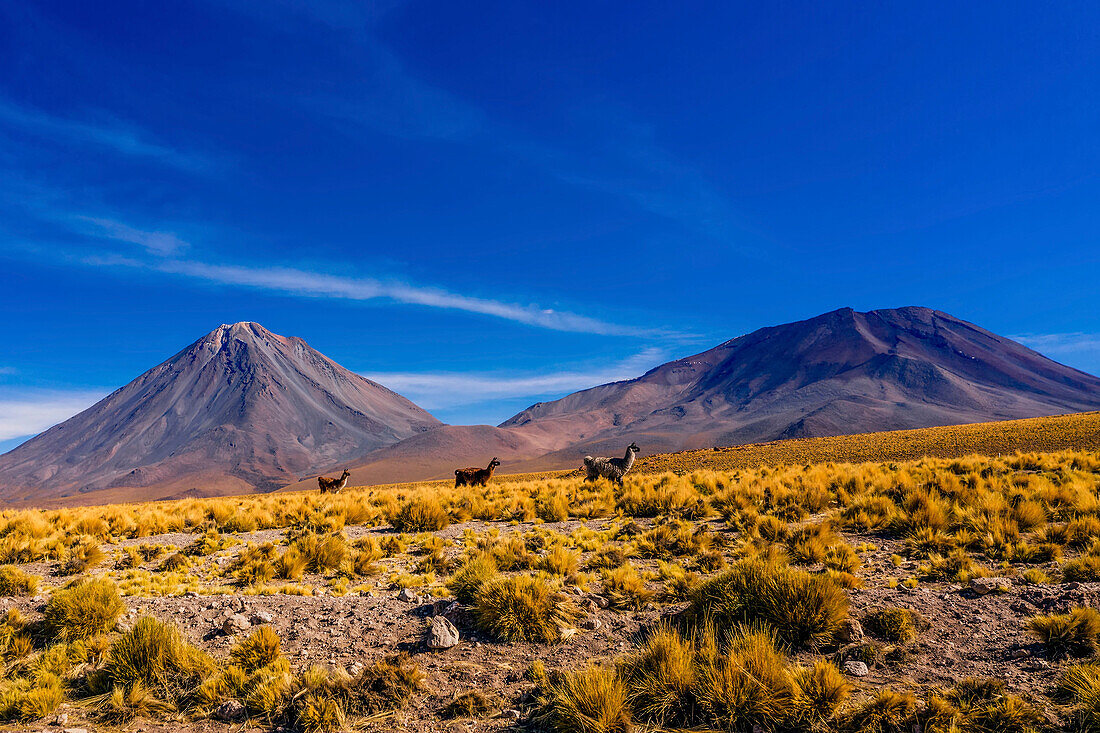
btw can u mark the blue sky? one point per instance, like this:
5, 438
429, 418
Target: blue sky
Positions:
487, 204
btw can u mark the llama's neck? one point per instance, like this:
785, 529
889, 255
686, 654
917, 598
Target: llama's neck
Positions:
628, 459
342, 482
490, 468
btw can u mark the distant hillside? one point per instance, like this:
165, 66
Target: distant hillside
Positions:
839, 373
1074, 432
241, 409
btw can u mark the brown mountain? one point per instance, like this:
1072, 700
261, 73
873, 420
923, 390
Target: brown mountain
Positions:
241, 409
839, 373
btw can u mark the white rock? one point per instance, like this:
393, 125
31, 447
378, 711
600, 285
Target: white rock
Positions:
229, 711
236, 624
442, 634
856, 669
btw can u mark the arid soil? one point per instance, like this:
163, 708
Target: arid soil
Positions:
967, 634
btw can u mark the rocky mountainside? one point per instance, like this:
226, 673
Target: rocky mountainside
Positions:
239, 410
841, 372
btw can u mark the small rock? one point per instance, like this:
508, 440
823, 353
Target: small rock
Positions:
983, 586
442, 634
261, 617
408, 596
850, 632
75, 730
510, 714
592, 623
600, 601
236, 624
1014, 654
230, 711
854, 668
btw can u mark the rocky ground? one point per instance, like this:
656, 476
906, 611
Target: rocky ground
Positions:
970, 632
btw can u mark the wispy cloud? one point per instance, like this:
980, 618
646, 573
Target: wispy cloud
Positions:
31, 413
305, 283
1078, 349
435, 390
1060, 343
8, 370
106, 132
156, 242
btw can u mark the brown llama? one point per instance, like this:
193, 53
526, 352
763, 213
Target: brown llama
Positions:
475, 476
333, 484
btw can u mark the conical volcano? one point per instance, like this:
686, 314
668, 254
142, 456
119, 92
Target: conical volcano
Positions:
241, 409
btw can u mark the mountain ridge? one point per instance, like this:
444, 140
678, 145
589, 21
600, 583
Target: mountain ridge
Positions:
289, 411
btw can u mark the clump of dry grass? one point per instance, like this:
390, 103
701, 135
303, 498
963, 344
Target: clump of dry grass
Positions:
81, 556
82, 610
625, 589
1075, 633
474, 573
591, 700
422, 514
560, 560
895, 625
803, 609
259, 649
886, 712
522, 608
472, 704
14, 582
30, 699
155, 656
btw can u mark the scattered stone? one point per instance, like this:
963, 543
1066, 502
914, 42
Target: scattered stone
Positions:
850, 632
442, 634
592, 623
856, 669
600, 601
261, 617
230, 711
236, 624
1015, 654
510, 714
75, 730
984, 586
408, 596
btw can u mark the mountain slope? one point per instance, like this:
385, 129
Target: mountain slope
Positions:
240, 409
839, 373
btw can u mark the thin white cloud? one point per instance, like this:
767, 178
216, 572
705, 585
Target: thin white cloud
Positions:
304, 283
108, 133
1077, 349
435, 390
6, 370
156, 242
1060, 343
31, 413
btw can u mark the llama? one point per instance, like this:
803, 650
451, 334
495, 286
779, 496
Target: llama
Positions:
475, 476
333, 484
612, 469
